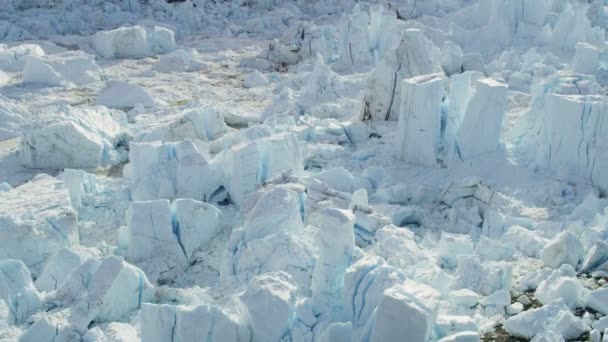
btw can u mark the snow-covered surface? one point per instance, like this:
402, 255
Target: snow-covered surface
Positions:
288, 170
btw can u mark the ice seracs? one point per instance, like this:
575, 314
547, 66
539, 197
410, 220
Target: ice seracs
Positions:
124, 95
75, 138
38, 221
133, 42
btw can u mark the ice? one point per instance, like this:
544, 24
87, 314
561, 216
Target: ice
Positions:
484, 279
96, 198
65, 69
337, 241
104, 290
269, 302
451, 246
561, 283
596, 258
464, 336
412, 57
203, 124
17, 291
451, 325
554, 317
484, 115
76, 138
598, 300
161, 40
528, 242
169, 234
400, 314
586, 59
570, 152
255, 79
14, 58
353, 49
124, 94
182, 323
37, 220
12, 116
564, 249
464, 297
452, 58
115, 289
170, 170
442, 114
58, 268
250, 164
420, 119
364, 285
179, 61
133, 42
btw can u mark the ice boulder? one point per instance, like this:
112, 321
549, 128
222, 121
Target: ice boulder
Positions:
97, 198
13, 59
252, 163
463, 336
586, 59
115, 289
337, 241
179, 61
570, 153
269, 303
203, 124
364, 284
37, 221
103, 290
197, 223
206, 322
452, 58
133, 42
598, 300
484, 116
64, 69
271, 240
255, 79
161, 40
554, 316
13, 116
17, 291
482, 278
414, 56
441, 113
561, 284
75, 138
451, 246
124, 94
353, 48
528, 242
403, 312
564, 249
421, 116
163, 237
170, 170
58, 268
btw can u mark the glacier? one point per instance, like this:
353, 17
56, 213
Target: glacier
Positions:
290, 170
